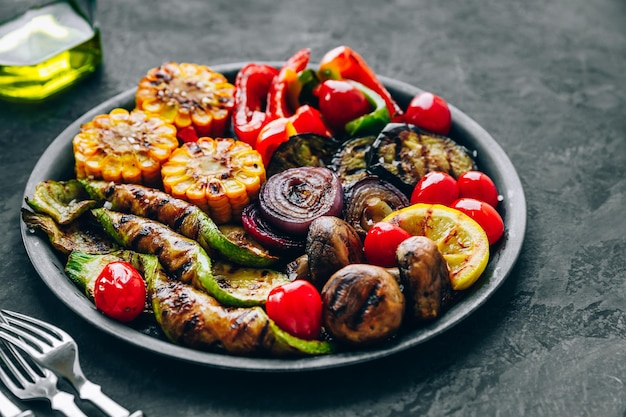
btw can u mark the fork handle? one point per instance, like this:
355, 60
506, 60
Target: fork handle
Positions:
64, 403
93, 393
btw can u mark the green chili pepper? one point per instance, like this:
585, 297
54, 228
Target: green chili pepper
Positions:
183, 217
183, 258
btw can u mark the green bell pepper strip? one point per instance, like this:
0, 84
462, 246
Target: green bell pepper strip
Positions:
185, 218
63, 201
183, 258
373, 122
301, 92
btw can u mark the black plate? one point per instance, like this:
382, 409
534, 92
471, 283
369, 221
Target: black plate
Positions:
57, 163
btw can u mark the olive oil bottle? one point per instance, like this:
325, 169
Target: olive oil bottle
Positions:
47, 49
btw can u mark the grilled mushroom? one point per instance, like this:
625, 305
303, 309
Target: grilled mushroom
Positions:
425, 278
331, 244
363, 304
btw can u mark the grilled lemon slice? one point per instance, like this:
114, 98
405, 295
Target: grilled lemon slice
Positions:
462, 242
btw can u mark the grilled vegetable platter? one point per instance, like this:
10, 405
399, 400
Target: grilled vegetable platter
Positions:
274, 216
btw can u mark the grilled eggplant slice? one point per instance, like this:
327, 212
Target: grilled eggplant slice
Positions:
369, 200
185, 218
304, 150
403, 153
350, 161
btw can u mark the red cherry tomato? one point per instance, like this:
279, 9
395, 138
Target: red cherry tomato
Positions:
429, 112
341, 102
484, 214
296, 307
478, 185
381, 243
435, 188
120, 291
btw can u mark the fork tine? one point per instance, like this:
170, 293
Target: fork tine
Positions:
24, 370
41, 328
36, 335
6, 379
17, 342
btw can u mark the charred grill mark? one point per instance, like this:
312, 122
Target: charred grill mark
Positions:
184, 269
449, 153
126, 218
336, 305
135, 241
190, 325
178, 222
262, 334
425, 156
242, 322
373, 299
109, 190
137, 193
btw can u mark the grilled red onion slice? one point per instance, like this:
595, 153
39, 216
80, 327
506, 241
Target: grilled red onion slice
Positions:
292, 199
254, 223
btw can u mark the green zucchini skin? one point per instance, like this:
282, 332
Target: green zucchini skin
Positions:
185, 218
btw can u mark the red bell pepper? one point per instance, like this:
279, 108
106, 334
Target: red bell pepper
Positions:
278, 95
343, 62
273, 134
252, 84
306, 119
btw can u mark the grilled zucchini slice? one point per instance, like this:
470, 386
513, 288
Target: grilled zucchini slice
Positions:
403, 153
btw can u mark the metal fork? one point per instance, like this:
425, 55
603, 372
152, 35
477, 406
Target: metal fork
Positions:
29, 382
8, 409
56, 350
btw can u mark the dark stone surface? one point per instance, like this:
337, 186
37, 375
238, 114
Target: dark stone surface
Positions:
545, 78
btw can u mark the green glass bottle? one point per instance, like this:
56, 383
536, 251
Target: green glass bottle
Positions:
46, 49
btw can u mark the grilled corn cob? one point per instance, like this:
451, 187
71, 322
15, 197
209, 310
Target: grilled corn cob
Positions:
124, 146
221, 176
188, 95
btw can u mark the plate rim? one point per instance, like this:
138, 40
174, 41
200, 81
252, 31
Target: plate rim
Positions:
48, 266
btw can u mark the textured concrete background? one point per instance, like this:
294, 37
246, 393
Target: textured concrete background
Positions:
545, 78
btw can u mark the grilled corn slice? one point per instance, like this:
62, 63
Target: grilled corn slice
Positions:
188, 95
221, 176
124, 146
